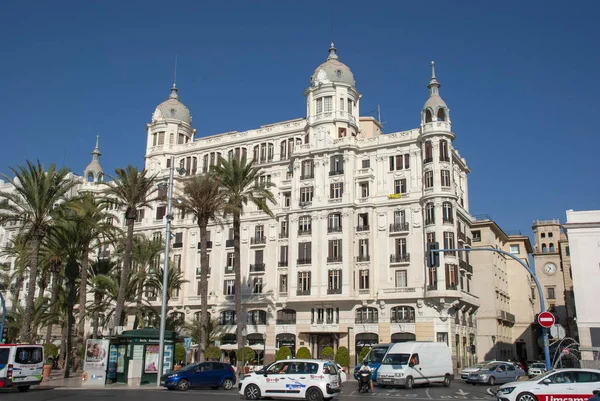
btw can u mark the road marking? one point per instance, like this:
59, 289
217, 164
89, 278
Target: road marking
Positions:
461, 392
490, 392
427, 393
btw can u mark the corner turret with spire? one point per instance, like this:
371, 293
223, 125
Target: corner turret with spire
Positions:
435, 109
93, 172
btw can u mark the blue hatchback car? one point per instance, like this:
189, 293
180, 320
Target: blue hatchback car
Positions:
205, 374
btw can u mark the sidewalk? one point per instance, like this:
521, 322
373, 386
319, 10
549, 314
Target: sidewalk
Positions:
75, 383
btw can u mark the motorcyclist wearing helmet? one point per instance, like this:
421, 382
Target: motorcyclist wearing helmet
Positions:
365, 368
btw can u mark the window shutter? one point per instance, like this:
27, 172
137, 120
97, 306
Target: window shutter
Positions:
341, 188
406, 161
330, 191
447, 273
332, 163
391, 163
308, 250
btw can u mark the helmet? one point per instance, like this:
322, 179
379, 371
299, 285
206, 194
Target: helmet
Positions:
366, 363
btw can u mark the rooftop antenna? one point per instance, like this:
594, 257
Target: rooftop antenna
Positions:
378, 115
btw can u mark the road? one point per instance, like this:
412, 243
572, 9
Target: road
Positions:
457, 391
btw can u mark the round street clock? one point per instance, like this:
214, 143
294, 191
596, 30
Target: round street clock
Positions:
549, 268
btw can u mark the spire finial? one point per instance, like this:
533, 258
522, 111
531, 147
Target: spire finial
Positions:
96, 152
332, 52
434, 85
173, 94
97, 140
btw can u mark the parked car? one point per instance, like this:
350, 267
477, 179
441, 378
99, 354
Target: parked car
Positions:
496, 372
464, 374
310, 379
536, 369
206, 374
560, 384
342, 374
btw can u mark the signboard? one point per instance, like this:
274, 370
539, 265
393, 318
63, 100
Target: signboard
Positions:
394, 196
546, 319
151, 361
558, 331
187, 342
95, 362
112, 363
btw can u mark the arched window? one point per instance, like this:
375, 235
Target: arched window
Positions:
444, 151
544, 249
286, 316
90, 177
447, 211
551, 247
257, 316
227, 317
428, 117
441, 115
198, 316
429, 213
402, 314
366, 315
428, 152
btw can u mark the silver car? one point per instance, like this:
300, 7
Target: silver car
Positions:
536, 369
495, 372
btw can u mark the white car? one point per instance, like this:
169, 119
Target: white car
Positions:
536, 369
556, 385
343, 376
311, 379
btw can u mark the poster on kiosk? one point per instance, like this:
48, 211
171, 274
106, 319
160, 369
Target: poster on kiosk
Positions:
95, 363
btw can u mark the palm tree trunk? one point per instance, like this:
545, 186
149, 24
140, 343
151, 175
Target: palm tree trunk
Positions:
70, 319
203, 290
53, 305
125, 270
63, 346
26, 335
85, 261
18, 285
96, 323
237, 268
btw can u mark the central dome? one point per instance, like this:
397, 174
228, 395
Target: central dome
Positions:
332, 70
172, 109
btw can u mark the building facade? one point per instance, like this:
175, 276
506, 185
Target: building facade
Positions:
343, 261
506, 313
583, 232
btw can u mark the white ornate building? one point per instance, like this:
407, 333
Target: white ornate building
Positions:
345, 253
343, 262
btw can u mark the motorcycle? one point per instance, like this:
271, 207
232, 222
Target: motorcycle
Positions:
364, 382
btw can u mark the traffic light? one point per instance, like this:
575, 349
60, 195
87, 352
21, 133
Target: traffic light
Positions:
4, 339
433, 258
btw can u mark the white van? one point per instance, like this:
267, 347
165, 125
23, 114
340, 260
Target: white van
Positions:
416, 362
21, 365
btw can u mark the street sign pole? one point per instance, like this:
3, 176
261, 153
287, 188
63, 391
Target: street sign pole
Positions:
533, 276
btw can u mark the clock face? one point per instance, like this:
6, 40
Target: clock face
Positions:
549, 268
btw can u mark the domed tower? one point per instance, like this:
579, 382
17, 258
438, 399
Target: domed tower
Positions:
171, 126
93, 172
332, 102
439, 199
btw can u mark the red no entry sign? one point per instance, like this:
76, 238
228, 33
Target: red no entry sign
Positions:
546, 319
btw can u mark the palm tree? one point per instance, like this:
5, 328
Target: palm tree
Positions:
101, 281
240, 180
205, 199
18, 249
53, 255
32, 203
145, 253
94, 223
130, 189
208, 333
174, 282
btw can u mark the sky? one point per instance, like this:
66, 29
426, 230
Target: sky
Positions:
519, 77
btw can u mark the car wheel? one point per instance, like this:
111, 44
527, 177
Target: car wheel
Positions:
252, 392
23, 389
314, 394
227, 384
408, 384
492, 381
183, 385
526, 397
446, 381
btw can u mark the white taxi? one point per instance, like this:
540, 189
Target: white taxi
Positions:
556, 385
311, 379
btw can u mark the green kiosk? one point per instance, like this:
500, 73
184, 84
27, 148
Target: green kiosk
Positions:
139, 350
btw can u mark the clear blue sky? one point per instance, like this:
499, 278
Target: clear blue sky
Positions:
520, 78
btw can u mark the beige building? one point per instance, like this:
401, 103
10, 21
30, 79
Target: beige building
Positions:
504, 288
553, 269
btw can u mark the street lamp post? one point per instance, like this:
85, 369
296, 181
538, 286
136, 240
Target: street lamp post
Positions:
244, 333
349, 328
165, 284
